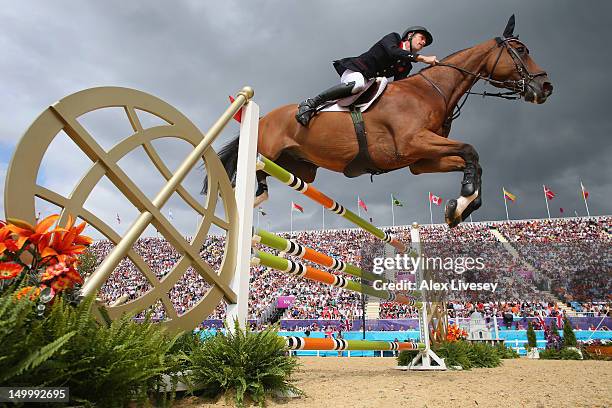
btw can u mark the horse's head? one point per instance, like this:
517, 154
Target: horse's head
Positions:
513, 68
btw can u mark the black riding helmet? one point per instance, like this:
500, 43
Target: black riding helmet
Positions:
419, 29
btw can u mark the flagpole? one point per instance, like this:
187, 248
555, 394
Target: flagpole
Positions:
430, 213
392, 211
291, 217
358, 207
585, 200
546, 200
323, 208
505, 203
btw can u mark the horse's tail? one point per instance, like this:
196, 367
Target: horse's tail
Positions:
229, 158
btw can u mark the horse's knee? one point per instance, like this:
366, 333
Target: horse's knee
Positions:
416, 169
468, 153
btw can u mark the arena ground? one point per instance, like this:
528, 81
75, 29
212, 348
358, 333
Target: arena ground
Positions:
372, 382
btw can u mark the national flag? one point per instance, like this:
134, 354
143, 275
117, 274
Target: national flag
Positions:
542, 321
561, 210
261, 211
238, 115
396, 202
435, 199
362, 204
585, 193
548, 193
296, 207
509, 195
559, 321
118, 219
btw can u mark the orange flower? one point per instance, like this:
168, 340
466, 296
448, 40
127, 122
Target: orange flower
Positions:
61, 283
74, 276
7, 241
67, 242
35, 234
9, 270
31, 290
53, 271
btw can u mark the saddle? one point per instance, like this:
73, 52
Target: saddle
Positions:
363, 100
356, 104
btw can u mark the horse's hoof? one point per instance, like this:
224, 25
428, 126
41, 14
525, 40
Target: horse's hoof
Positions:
260, 199
450, 213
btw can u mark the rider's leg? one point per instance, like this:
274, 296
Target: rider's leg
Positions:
352, 82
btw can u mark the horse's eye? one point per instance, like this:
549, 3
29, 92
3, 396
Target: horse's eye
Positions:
520, 50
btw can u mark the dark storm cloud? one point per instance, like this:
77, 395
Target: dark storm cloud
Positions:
193, 54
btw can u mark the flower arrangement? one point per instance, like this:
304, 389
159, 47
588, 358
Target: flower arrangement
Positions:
41, 256
454, 333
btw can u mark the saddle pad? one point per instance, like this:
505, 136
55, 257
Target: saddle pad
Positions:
363, 106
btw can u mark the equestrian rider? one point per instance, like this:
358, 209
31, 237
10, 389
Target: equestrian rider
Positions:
392, 56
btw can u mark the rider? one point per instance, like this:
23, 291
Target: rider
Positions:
391, 56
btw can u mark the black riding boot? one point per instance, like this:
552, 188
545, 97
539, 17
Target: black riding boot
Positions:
308, 108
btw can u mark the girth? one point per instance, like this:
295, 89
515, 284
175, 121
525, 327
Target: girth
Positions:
362, 163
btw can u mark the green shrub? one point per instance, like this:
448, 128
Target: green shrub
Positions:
549, 354
485, 355
505, 352
567, 354
245, 363
563, 354
456, 353
531, 337
468, 355
569, 338
405, 357
105, 365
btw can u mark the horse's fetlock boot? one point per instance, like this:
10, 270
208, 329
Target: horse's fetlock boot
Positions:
467, 189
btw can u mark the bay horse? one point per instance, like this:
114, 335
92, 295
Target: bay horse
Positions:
408, 126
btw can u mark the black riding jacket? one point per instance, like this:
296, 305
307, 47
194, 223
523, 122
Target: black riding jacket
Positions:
385, 58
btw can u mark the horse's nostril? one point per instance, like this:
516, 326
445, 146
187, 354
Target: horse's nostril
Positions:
548, 88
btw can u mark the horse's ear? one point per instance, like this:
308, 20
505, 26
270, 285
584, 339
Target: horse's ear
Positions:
509, 30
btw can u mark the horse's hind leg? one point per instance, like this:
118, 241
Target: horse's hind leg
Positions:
300, 168
261, 194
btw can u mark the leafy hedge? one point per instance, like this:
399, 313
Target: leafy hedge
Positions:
103, 364
465, 354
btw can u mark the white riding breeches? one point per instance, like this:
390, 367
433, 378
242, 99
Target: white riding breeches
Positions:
352, 76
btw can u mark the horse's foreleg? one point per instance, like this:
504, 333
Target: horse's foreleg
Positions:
438, 154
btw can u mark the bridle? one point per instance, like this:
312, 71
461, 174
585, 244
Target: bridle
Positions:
516, 88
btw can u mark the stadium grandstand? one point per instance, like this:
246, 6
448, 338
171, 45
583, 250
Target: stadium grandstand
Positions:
546, 268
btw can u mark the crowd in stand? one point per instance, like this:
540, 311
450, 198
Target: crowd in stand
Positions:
584, 276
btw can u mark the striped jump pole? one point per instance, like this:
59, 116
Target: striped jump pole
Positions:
317, 275
309, 343
293, 248
309, 191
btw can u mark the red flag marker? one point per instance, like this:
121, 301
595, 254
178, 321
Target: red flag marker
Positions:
238, 115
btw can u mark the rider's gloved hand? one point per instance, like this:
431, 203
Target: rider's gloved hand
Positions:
428, 59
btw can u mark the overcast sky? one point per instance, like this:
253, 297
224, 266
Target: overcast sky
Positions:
193, 54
